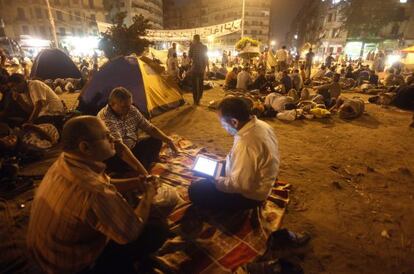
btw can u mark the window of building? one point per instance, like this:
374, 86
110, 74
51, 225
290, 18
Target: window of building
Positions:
21, 14
42, 31
59, 15
38, 13
91, 4
329, 17
25, 29
62, 31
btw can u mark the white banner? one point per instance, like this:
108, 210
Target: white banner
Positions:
209, 32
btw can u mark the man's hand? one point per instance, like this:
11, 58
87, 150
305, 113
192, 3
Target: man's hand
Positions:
152, 184
171, 144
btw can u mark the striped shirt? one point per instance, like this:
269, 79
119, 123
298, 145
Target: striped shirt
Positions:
75, 212
125, 129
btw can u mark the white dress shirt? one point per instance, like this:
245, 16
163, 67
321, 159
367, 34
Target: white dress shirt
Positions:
39, 91
277, 101
252, 165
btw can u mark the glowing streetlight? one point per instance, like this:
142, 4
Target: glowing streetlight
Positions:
273, 43
242, 19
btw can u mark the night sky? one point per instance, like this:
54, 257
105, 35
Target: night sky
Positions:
283, 12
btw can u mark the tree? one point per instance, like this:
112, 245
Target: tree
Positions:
365, 19
121, 39
245, 41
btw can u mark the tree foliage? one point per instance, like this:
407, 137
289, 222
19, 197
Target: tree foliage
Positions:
242, 43
121, 39
366, 18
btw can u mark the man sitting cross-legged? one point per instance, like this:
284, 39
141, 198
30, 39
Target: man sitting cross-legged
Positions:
125, 121
252, 165
79, 221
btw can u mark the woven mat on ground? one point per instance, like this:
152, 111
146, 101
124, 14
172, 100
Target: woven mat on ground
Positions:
208, 242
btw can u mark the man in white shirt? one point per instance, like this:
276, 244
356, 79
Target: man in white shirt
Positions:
38, 99
172, 50
252, 166
282, 58
277, 101
244, 79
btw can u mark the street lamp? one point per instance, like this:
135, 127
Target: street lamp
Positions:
242, 22
273, 43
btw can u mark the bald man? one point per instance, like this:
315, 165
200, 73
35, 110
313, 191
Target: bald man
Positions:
79, 218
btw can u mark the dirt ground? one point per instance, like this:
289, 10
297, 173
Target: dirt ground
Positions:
353, 183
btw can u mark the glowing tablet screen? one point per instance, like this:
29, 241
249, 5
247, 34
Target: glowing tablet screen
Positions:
206, 166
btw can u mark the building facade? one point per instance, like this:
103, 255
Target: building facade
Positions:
72, 17
321, 24
150, 9
202, 13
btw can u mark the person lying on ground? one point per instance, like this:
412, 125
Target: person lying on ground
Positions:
244, 79
251, 168
221, 72
125, 122
404, 97
331, 91
38, 100
231, 79
279, 102
349, 108
79, 222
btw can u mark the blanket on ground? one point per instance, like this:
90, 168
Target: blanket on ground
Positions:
213, 242
203, 242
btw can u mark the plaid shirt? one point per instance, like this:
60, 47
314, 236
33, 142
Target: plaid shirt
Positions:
125, 129
75, 212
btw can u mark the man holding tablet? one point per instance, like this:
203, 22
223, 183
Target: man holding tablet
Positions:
251, 167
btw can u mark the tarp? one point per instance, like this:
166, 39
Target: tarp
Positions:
53, 64
152, 93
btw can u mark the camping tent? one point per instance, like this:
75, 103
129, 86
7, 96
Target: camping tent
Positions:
53, 64
152, 93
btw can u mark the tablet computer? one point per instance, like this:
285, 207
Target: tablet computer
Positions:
207, 167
